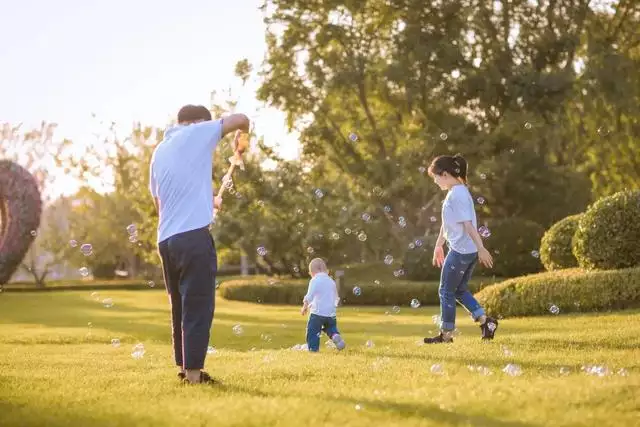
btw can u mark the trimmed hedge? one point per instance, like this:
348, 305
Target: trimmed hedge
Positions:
291, 291
555, 248
265, 290
608, 234
83, 285
514, 243
571, 290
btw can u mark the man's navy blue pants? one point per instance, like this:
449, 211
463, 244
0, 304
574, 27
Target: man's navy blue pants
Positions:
189, 265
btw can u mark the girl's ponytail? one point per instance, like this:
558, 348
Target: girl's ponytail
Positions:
462, 167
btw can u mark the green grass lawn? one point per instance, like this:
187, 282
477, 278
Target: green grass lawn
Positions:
56, 371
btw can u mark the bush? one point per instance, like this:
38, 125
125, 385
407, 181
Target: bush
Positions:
104, 270
20, 211
555, 247
514, 243
264, 289
608, 234
292, 291
417, 263
571, 290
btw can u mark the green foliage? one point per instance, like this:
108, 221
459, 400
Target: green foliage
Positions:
260, 289
523, 184
418, 264
514, 243
287, 291
556, 244
571, 290
608, 233
101, 221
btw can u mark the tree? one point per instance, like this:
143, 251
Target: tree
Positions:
120, 224
378, 87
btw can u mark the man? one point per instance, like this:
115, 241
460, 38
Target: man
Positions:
181, 185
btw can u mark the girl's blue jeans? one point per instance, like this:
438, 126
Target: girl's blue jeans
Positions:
454, 287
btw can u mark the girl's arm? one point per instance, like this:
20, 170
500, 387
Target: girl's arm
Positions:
473, 233
484, 256
441, 240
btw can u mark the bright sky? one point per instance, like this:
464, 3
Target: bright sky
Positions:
126, 61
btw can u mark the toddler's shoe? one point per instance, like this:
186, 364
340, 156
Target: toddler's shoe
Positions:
338, 341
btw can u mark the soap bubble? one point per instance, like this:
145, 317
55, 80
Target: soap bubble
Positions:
238, 330
86, 249
138, 351
262, 251
388, 259
437, 369
484, 231
357, 291
512, 370
415, 303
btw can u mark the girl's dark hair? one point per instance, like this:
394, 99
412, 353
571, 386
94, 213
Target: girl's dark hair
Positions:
456, 166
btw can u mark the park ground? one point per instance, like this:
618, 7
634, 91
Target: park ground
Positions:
56, 369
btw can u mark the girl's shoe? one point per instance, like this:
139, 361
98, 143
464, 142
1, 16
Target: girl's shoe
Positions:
438, 339
338, 341
488, 328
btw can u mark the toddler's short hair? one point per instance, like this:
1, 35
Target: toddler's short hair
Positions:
317, 265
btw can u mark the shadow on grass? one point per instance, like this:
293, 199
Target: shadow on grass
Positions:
27, 415
401, 410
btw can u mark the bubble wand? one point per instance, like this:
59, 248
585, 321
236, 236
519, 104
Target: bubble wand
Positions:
239, 145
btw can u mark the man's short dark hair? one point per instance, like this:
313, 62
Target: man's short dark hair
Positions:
193, 113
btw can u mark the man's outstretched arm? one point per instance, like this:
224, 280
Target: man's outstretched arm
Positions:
235, 122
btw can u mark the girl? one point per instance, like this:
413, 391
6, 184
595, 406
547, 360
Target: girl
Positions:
459, 230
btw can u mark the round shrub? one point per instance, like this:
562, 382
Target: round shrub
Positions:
514, 244
608, 234
20, 211
571, 290
555, 247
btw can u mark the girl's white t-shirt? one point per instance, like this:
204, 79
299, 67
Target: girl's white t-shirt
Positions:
457, 208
